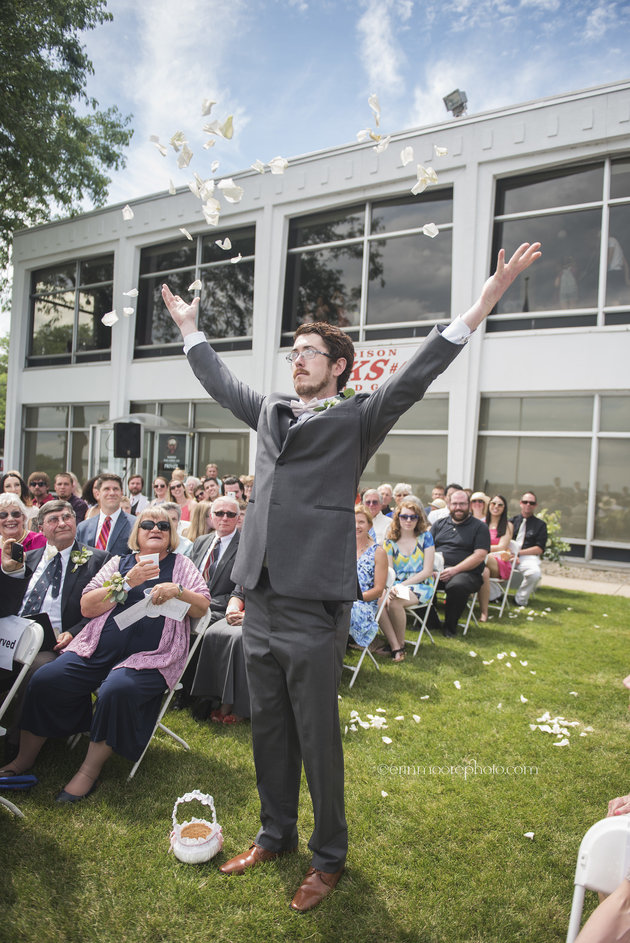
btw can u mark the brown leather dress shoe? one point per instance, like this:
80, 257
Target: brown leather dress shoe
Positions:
254, 855
315, 886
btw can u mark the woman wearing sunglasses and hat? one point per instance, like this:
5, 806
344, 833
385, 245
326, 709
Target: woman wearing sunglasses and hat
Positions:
131, 665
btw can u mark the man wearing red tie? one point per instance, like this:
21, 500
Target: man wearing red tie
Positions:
111, 528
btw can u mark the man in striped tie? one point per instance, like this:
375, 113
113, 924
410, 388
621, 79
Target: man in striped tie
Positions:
110, 530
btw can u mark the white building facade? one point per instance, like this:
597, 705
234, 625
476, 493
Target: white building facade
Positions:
540, 399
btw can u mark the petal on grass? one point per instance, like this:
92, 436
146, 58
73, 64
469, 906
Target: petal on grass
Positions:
472, 654
416, 717
457, 685
386, 739
574, 693
561, 743
529, 835
384, 794
524, 700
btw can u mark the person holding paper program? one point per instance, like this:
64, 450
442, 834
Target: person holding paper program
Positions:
130, 656
410, 551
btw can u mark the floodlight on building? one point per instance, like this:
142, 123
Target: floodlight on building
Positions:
456, 103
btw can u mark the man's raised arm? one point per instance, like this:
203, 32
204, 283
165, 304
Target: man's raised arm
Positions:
498, 284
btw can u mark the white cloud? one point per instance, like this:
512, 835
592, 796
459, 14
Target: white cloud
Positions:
381, 54
598, 21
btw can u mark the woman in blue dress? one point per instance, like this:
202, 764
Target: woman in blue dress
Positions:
131, 666
410, 551
372, 574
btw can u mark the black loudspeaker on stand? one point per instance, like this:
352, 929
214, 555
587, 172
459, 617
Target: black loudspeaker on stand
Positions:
127, 439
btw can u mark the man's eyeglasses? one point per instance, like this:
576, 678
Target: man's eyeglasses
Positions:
161, 525
307, 353
408, 517
528, 502
56, 519
5, 514
374, 502
35, 484
230, 514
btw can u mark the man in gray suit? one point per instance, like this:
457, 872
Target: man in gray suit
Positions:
110, 529
309, 457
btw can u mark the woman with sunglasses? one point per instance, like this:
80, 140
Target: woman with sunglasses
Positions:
13, 523
499, 560
177, 492
160, 490
131, 666
411, 552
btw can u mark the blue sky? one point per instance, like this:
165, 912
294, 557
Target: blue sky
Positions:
296, 74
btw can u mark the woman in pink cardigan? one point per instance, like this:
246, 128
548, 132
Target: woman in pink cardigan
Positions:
130, 664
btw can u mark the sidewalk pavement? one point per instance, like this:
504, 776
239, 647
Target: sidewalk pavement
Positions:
613, 588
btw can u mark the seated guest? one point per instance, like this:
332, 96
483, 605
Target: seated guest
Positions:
530, 533
380, 523
498, 562
131, 667
438, 492
13, 483
233, 486
248, 484
479, 505
214, 554
443, 511
109, 530
212, 471
39, 487
139, 501
410, 553
387, 496
64, 489
89, 497
464, 543
192, 486
242, 505
401, 490
177, 494
220, 675
211, 489
174, 511
200, 521
34, 590
160, 491
372, 576
13, 524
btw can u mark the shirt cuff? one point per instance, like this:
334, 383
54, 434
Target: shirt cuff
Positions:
18, 574
191, 340
457, 332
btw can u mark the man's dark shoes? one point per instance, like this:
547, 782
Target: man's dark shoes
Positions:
254, 855
448, 633
315, 886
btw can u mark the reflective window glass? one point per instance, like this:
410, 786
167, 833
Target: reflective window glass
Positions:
46, 417
230, 451
176, 413
420, 460
430, 413
330, 226
242, 240
227, 300
154, 325
410, 278
324, 285
620, 179
96, 270
618, 270
612, 521
614, 414
568, 187
412, 212
213, 416
45, 451
53, 323
536, 413
169, 255
89, 415
56, 278
92, 334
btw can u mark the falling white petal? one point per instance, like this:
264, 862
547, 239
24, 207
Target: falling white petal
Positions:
132, 293
171, 186
440, 151
384, 794
214, 166
193, 186
419, 187
186, 233
363, 135
211, 211
185, 157
457, 685
127, 212
195, 286
278, 165
236, 258
406, 156
231, 191
524, 699
227, 128
386, 739
206, 106
259, 166
178, 140
160, 148
128, 312
376, 108
529, 835
110, 318
223, 243
430, 229
210, 143
382, 145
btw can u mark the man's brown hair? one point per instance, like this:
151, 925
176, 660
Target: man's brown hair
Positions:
338, 344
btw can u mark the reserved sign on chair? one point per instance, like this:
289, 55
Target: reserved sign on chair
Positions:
11, 629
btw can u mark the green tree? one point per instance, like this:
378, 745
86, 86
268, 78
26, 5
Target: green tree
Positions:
55, 144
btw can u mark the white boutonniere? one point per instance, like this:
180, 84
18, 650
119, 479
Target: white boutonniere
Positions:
79, 557
328, 403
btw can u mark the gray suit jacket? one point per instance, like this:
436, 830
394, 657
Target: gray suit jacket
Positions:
87, 532
301, 512
221, 584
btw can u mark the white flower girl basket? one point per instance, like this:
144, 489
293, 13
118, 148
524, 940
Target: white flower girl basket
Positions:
196, 840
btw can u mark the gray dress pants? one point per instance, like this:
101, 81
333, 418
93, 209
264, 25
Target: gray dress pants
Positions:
294, 651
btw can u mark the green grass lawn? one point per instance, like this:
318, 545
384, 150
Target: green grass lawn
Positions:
441, 857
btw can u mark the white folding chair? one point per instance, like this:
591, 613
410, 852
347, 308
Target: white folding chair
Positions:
391, 576
25, 651
602, 863
420, 612
505, 586
197, 629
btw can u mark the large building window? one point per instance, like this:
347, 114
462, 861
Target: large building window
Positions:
370, 269
573, 451
227, 293
57, 438
582, 217
67, 304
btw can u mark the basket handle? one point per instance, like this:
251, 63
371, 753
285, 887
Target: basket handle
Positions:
202, 797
